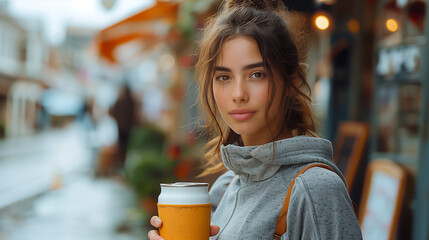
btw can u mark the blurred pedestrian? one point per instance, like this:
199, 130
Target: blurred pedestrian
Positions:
255, 92
124, 113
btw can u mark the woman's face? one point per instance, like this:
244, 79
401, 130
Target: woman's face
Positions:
241, 92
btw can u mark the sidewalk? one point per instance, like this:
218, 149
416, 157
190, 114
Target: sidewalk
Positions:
48, 192
29, 165
86, 209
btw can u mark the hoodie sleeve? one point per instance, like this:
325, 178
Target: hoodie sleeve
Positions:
320, 208
218, 189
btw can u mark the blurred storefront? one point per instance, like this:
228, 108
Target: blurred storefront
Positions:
42, 93
51, 96
400, 104
377, 52
29, 66
14, 109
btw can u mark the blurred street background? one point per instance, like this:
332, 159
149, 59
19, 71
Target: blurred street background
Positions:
97, 108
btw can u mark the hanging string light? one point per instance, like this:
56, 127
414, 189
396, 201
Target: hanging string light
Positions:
392, 25
353, 26
322, 20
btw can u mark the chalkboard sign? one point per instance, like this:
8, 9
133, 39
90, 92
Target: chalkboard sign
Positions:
349, 147
346, 152
382, 198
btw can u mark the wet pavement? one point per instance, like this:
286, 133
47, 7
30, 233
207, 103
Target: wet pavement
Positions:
85, 209
48, 192
30, 165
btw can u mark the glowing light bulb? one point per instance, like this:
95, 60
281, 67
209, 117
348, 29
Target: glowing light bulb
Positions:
392, 25
353, 26
322, 22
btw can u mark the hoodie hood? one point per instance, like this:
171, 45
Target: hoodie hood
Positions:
257, 163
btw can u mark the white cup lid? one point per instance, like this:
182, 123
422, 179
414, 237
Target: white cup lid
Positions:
184, 193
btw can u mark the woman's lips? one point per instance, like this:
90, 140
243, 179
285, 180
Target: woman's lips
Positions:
241, 115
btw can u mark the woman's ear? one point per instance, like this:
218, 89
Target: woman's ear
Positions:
296, 80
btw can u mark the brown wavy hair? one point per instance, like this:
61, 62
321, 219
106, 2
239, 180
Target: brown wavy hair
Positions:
265, 22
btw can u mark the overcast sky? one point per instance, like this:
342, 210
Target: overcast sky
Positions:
57, 14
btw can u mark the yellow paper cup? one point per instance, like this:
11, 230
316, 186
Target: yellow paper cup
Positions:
185, 210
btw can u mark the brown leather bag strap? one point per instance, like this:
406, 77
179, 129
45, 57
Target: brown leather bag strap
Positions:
281, 224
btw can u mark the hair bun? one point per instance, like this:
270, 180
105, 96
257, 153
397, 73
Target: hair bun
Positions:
271, 5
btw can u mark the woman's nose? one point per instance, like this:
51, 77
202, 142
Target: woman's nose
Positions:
240, 93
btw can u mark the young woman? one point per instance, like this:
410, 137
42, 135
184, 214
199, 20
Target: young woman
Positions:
254, 91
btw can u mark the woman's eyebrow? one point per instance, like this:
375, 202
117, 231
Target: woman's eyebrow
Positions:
247, 67
253, 65
222, 69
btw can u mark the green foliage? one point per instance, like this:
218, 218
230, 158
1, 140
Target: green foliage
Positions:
152, 161
147, 164
147, 138
146, 169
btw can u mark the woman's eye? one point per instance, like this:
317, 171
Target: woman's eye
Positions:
257, 75
222, 78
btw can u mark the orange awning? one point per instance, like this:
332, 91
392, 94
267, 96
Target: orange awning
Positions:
148, 26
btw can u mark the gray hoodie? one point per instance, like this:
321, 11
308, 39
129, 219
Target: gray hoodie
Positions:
320, 207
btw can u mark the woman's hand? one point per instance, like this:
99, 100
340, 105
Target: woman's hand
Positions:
156, 222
